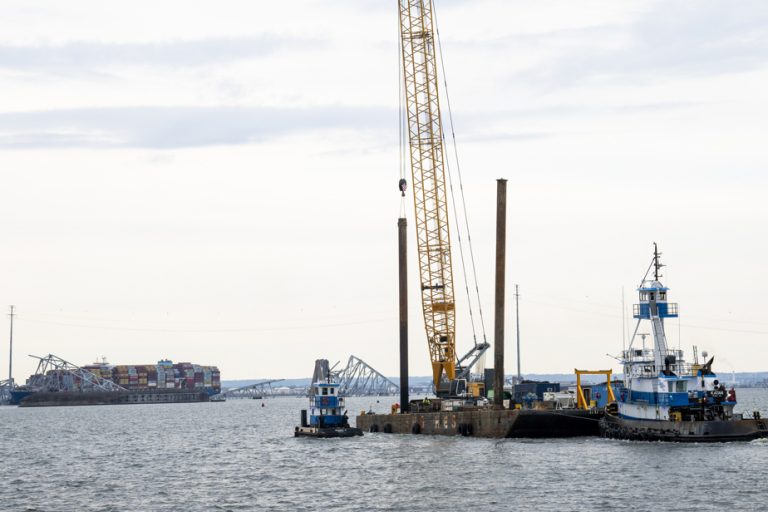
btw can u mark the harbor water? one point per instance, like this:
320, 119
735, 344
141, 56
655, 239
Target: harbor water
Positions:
238, 455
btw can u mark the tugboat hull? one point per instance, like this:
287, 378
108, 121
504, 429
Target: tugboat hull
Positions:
327, 432
716, 431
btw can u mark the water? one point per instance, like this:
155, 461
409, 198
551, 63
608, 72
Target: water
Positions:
239, 455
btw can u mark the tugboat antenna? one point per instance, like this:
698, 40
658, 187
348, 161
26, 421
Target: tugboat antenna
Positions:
656, 264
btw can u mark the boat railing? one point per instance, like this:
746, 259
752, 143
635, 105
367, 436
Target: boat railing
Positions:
649, 354
642, 362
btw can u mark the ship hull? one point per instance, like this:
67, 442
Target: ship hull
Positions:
18, 396
716, 431
70, 398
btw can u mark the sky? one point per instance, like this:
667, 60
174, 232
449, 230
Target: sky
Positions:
216, 182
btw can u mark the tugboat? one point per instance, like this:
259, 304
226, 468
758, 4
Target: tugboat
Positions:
663, 398
327, 416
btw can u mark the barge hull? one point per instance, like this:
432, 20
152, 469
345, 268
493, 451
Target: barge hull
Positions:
557, 423
491, 423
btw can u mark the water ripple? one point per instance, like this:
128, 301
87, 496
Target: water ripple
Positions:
239, 456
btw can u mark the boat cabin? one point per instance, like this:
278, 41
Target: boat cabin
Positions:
326, 407
654, 295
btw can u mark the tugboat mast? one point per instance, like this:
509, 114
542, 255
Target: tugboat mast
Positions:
656, 264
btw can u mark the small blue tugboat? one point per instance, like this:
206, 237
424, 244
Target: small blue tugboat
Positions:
326, 416
663, 397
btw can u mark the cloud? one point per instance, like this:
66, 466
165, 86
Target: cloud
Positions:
700, 38
78, 57
176, 127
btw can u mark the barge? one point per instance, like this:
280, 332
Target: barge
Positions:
451, 418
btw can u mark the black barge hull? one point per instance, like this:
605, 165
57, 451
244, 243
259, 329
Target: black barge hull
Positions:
717, 431
532, 424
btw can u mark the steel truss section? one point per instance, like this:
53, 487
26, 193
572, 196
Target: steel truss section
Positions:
258, 389
358, 378
5, 391
55, 374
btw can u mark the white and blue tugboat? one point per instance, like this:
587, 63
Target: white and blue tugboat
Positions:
664, 398
327, 416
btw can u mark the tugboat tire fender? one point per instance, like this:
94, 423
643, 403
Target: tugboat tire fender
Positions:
374, 428
388, 428
416, 429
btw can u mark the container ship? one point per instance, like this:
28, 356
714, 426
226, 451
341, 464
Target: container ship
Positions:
58, 382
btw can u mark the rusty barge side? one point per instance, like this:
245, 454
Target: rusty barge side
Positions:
490, 423
478, 423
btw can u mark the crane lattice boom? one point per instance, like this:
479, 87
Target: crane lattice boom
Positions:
425, 136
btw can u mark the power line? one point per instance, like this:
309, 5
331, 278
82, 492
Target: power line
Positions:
224, 330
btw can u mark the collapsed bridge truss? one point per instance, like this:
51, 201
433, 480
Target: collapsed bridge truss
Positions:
358, 378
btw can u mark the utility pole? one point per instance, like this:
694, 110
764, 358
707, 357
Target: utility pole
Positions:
10, 355
517, 319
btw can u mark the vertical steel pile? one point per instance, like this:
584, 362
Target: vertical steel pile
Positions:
403, 274
498, 336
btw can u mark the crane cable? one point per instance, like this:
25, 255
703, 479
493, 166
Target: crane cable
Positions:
401, 120
463, 200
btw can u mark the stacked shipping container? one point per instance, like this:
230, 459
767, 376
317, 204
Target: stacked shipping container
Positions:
163, 375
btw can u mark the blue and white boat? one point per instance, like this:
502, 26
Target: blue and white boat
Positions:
663, 396
327, 415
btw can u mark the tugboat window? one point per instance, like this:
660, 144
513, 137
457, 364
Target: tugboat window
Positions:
325, 391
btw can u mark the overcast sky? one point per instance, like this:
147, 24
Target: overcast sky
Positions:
216, 182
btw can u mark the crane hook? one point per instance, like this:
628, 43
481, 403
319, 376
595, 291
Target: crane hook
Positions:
402, 185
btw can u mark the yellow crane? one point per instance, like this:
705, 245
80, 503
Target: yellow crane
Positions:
427, 163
